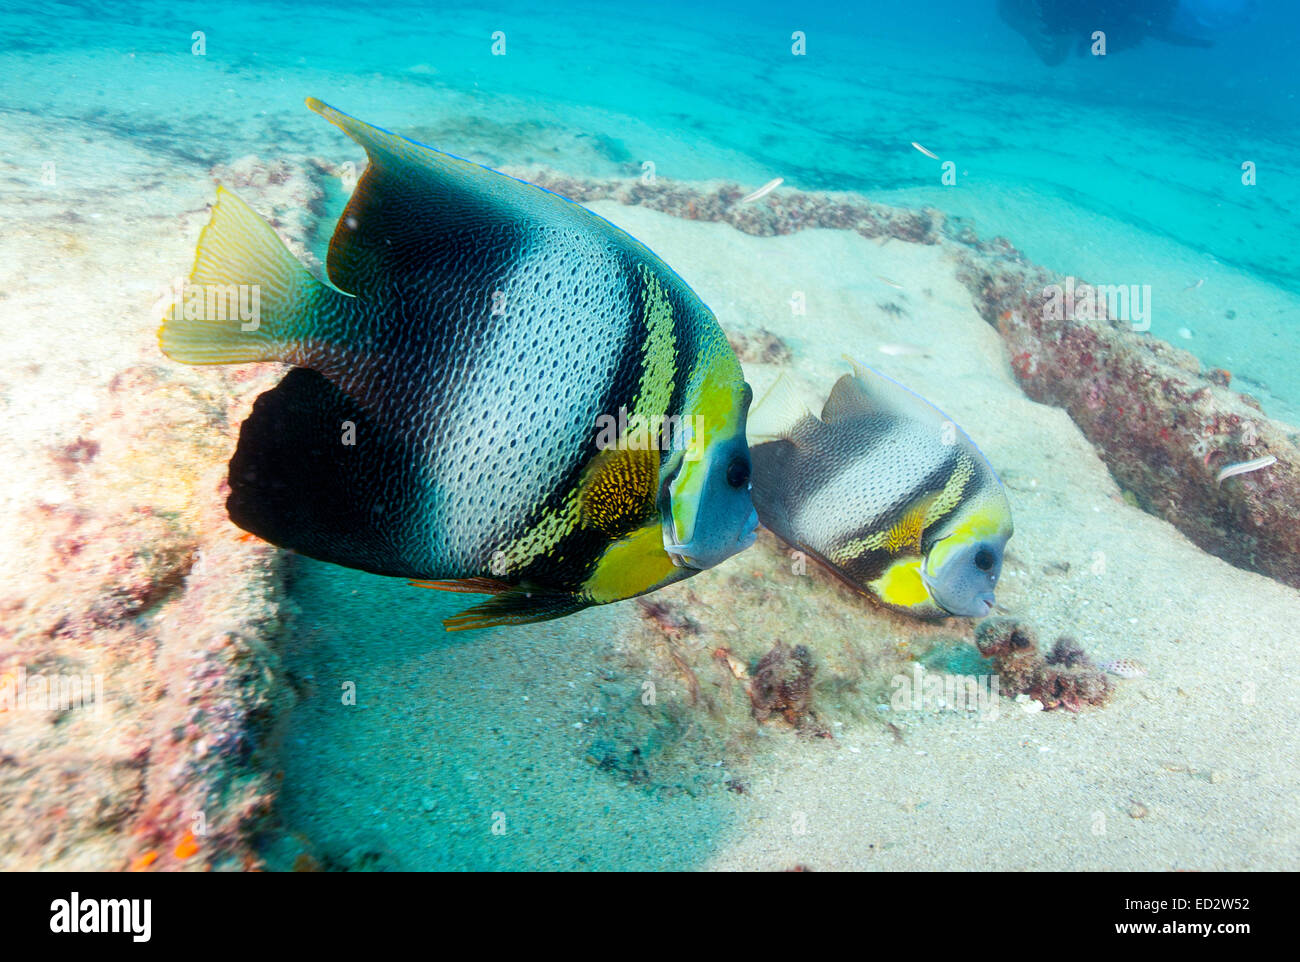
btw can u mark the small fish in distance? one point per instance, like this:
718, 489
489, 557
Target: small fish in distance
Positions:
891, 496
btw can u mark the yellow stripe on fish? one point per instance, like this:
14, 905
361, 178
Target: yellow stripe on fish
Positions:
907, 533
658, 353
619, 484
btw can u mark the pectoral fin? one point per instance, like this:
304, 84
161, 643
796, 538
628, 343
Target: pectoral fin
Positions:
618, 490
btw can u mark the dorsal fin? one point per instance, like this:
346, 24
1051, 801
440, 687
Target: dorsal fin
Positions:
849, 398
873, 391
418, 207
866, 391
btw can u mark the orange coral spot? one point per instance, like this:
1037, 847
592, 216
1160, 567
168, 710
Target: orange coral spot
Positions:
187, 846
142, 862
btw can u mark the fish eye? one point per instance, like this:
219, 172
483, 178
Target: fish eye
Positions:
984, 559
738, 472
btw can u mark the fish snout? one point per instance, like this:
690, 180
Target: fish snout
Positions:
750, 533
700, 556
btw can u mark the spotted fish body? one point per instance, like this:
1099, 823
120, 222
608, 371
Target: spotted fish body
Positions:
1124, 668
891, 495
442, 422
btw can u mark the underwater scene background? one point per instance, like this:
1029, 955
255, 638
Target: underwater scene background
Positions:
945, 192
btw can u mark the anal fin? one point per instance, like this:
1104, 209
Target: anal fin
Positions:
478, 586
518, 606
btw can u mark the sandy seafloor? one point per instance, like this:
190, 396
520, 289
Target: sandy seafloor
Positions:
458, 728
1192, 767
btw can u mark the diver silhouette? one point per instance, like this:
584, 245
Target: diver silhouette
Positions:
1055, 27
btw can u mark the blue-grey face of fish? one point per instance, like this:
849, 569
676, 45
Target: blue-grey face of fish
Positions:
717, 490
963, 584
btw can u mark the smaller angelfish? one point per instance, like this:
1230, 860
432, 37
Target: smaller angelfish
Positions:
887, 492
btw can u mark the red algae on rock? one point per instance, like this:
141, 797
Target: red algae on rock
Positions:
782, 684
139, 582
783, 213
1164, 428
1066, 678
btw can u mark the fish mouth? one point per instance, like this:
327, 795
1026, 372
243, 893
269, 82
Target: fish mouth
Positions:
683, 555
750, 534
979, 606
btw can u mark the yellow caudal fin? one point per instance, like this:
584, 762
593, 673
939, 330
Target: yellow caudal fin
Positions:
248, 297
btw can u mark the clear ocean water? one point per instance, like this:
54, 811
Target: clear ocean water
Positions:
1125, 169
1169, 166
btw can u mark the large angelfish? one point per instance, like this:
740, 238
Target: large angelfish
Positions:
494, 390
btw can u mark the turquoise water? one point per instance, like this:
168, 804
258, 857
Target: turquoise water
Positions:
1124, 169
